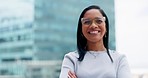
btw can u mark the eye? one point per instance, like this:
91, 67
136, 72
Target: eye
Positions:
86, 22
98, 21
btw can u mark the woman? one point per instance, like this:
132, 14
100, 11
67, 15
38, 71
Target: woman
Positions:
93, 59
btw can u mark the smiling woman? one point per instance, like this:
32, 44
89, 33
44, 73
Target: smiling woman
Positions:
92, 50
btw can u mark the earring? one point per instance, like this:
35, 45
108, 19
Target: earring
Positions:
105, 35
82, 35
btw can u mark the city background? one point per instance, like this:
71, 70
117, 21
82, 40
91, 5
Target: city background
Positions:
36, 34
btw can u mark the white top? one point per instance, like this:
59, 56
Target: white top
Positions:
96, 65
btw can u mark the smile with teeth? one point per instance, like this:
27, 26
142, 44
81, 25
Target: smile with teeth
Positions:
93, 32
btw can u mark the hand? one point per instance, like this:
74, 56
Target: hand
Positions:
71, 75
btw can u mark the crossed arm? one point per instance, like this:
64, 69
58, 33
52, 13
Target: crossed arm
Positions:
71, 75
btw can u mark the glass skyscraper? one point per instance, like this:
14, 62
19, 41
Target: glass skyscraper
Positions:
16, 28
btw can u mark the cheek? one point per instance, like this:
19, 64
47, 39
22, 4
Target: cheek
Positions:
84, 30
103, 31
103, 28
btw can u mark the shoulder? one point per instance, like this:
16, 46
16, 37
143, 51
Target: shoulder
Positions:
116, 55
72, 55
121, 64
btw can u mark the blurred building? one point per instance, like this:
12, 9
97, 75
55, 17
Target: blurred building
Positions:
16, 28
16, 39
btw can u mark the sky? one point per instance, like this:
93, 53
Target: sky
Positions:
131, 25
17, 8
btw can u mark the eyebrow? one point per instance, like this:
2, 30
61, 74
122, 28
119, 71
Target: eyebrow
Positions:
93, 18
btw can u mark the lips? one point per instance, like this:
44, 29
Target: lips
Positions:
94, 32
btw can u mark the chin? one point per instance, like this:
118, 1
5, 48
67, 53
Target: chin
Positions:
94, 40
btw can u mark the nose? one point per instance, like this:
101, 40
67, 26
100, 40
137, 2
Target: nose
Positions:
93, 25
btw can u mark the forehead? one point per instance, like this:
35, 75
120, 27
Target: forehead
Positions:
92, 13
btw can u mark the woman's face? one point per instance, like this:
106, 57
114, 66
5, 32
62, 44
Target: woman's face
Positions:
93, 25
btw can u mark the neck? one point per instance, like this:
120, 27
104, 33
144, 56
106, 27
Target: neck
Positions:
96, 46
